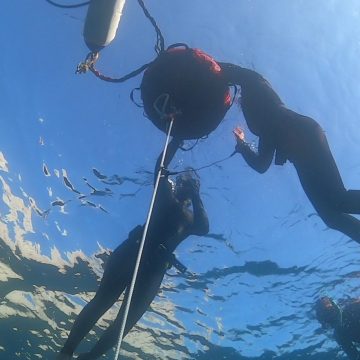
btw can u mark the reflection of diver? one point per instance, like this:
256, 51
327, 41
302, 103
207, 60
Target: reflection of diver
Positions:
172, 222
345, 321
299, 139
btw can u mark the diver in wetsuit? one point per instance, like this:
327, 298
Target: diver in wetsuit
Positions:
345, 321
172, 222
299, 139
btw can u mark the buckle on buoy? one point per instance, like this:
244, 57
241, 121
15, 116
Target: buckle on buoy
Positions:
164, 109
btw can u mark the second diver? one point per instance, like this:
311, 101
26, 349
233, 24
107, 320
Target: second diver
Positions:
293, 137
172, 222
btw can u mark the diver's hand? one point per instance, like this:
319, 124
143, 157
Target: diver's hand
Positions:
239, 134
240, 139
192, 187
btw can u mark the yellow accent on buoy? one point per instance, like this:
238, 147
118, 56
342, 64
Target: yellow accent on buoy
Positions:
102, 20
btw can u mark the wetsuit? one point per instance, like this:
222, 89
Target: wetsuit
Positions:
347, 333
171, 223
290, 136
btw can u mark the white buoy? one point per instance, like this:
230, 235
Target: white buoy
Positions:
102, 21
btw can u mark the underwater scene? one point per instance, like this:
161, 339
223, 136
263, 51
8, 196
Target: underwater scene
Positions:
180, 179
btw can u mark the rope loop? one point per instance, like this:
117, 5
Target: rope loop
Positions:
132, 98
164, 107
176, 45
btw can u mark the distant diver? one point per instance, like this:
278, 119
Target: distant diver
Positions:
172, 222
299, 139
344, 320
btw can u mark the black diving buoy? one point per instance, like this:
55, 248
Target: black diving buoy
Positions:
195, 88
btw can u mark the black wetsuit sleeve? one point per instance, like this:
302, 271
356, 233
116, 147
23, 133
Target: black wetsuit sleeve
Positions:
347, 346
258, 101
200, 225
261, 160
237, 75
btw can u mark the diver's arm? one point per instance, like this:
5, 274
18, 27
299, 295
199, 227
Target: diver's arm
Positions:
200, 225
347, 346
261, 160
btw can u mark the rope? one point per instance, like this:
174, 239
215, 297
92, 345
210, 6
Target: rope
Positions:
63, 6
159, 47
202, 167
89, 64
132, 74
141, 247
191, 147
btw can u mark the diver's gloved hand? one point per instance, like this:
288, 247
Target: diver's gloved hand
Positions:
195, 184
192, 186
240, 139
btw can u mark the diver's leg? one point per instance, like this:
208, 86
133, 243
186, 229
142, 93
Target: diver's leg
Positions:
345, 223
329, 200
319, 174
111, 286
351, 202
146, 288
332, 186
87, 318
331, 189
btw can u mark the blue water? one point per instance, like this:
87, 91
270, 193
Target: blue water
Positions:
268, 256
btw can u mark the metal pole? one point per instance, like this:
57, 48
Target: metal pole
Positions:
141, 247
